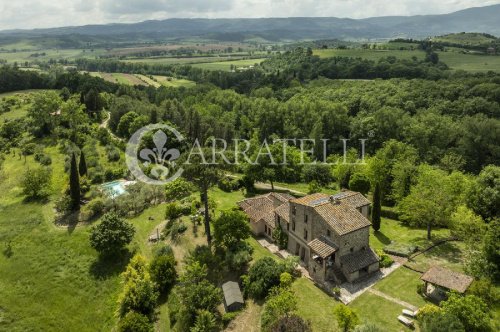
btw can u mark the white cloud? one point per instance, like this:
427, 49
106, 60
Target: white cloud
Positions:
26, 14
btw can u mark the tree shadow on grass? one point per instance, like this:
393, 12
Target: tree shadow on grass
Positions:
382, 237
70, 221
108, 266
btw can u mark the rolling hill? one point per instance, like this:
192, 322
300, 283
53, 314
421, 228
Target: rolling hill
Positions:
480, 19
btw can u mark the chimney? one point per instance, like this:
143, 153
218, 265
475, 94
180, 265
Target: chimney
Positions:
334, 200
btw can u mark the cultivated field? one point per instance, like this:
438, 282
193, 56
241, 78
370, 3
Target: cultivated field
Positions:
226, 65
455, 60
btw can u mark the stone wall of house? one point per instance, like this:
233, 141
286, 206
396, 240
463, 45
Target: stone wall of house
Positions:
352, 276
297, 242
365, 211
353, 241
374, 267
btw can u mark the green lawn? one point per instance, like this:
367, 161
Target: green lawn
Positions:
377, 310
402, 284
393, 230
54, 279
449, 255
315, 305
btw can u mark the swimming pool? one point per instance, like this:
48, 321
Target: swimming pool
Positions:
116, 188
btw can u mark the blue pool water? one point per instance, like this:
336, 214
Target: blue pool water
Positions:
114, 188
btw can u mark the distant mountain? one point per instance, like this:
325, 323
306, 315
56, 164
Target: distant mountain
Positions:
481, 19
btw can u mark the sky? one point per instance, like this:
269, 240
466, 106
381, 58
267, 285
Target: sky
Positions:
28, 14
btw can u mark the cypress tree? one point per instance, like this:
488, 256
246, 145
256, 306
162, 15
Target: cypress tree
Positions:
74, 184
82, 166
376, 208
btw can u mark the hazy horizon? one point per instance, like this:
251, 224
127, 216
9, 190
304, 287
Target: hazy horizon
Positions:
29, 14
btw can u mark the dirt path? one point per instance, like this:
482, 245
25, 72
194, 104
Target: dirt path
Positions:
262, 185
392, 299
248, 320
105, 124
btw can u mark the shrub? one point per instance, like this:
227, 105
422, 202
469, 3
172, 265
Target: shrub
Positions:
347, 319
177, 229
135, 322
399, 249
139, 293
280, 237
111, 235
280, 302
112, 153
178, 188
163, 250
262, 276
163, 273
291, 323
228, 317
336, 291
113, 174
238, 256
470, 310
486, 290
93, 209
228, 184
36, 182
385, 261
359, 182
313, 187
172, 211
43, 159
63, 204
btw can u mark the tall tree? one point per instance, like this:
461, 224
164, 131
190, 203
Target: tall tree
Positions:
204, 174
82, 165
377, 207
74, 184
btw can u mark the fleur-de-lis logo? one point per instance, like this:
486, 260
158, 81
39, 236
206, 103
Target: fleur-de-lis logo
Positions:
159, 158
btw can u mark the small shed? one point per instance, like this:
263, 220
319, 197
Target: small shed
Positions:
233, 300
442, 280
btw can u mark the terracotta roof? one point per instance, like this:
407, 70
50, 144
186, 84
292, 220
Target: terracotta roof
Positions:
342, 217
312, 200
449, 279
352, 198
357, 260
284, 211
321, 247
263, 207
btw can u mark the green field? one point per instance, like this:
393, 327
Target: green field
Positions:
174, 82
455, 60
374, 55
226, 65
56, 54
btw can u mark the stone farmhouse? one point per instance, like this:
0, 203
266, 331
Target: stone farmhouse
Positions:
330, 233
